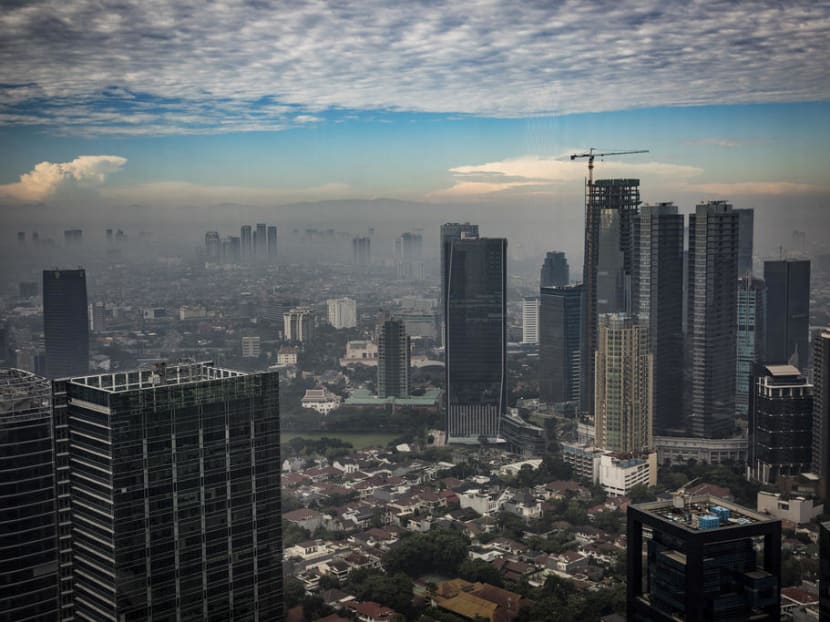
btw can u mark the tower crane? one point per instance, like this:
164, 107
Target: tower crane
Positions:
591, 155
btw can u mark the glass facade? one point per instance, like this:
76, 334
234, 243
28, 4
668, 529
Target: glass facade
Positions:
788, 310
65, 324
555, 270
560, 316
752, 302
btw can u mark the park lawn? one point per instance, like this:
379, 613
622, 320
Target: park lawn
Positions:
358, 440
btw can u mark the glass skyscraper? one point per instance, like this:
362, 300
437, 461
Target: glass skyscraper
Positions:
65, 323
752, 302
175, 494
555, 270
788, 311
476, 357
559, 323
450, 232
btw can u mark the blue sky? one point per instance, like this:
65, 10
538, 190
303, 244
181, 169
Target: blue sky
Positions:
443, 102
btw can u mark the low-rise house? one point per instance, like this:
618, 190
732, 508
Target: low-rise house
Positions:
305, 518
568, 562
371, 612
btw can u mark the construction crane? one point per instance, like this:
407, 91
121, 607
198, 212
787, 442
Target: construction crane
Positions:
591, 155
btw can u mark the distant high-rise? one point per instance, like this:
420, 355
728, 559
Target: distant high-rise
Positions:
476, 337
530, 320
232, 250
30, 563
261, 242
712, 330
555, 270
780, 423
247, 239
298, 324
73, 237
788, 311
752, 301
393, 359
450, 232
821, 410
657, 290
65, 322
559, 334
342, 312
409, 261
213, 247
362, 251
272, 244
623, 413
608, 262
746, 234
175, 488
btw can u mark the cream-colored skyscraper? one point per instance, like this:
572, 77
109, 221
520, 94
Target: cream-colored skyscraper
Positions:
623, 403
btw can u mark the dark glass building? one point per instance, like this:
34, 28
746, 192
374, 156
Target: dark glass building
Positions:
560, 315
476, 357
393, 359
788, 311
29, 570
65, 323
555, 270
450, 232
712, 330
746, 230
701, 564
657, 291
272, 244
821, 411
607, 267
261, 242
247, 239
175, 494
752, 304
362, 251
780, 423
824, 571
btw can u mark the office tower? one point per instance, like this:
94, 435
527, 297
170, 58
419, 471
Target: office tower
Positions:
821, 411
752, 301
623, 412
746, 230
342, 312
29, 569
247, 246
232, 250
362, 251
393, 359
560, 316
65, 323
701, 563
450, 232
175, 488
712, 331
298, 324
213, 247
260, 242
608, 262
73, 237
272, 244
251, 346
530, 320
555, 270
788, 311
780, 423
657, 290
824, 571
97, 316
476, 333
409, 261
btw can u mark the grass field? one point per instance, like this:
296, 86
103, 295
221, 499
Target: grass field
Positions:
358, 441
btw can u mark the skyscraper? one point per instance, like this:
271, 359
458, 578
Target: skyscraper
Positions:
261, 242
788, 311
175, 494
752, 302
712, 331
657, 290
247, 248
393, 359
623, 413
530, 320
409, 261
362, 251
298, 324
450, 232
559, 334
29, 566
608, 262
342, 312
476, 337
213, 247
746, 235
272, 244
555, 270
65, 323
821, 411
780, 423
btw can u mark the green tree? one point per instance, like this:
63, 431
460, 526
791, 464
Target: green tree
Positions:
440, 550
479, 570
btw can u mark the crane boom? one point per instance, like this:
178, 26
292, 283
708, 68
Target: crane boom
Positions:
591, 155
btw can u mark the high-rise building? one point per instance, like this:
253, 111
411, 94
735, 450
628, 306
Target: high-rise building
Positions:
824, 571
780, 423
29, 566
393, 359
272, 244
746, 235
261, 242
752, 301
821, 411
657, 291
701, 564
623, 413
608, 263
213, 247
788, 311
450, 232
555, 270
65, 322
251, 346
476, 337
175, 476
712, 331
362, 251
298, 324
560, 315
409, 261
530, 320
97, 316
342, 312
247, 239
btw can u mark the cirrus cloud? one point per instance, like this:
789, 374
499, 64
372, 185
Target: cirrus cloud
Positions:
48, 178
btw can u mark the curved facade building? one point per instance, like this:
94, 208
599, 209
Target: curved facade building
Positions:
28, 519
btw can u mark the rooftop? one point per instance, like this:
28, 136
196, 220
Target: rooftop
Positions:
703, 512
160, 374
23, 393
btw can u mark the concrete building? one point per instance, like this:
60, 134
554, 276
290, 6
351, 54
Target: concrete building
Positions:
409, 262
682, 449
287, 355
530, 320
322, 400
250, 347
393, 359
618, 474
362, 251
342, 312
797, 510
821, 411
298, 324
360, 352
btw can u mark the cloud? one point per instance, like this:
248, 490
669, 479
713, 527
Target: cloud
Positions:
238, 66
718, 142
48, 178
763, 188
306, 118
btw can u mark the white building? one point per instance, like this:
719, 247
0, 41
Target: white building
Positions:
530, 320
192, 313
286, 356
250, 347
618, 475
298, 324
360, 352
681, 449
795, 509
321, 400
342, 312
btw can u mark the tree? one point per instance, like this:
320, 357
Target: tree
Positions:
640, 494
479, 570
394, 591
293, 592
440, 551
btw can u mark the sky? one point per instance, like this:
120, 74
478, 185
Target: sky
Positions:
471, 107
